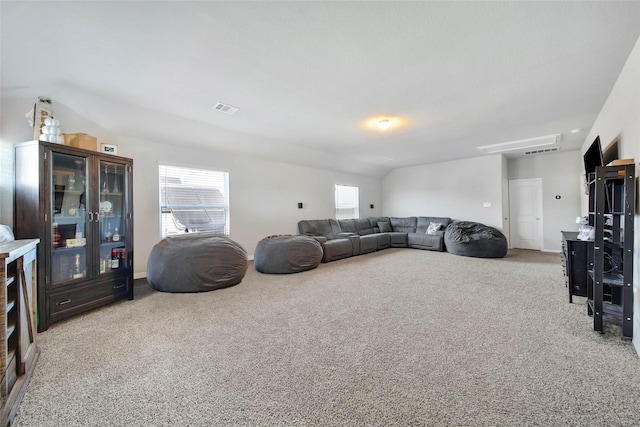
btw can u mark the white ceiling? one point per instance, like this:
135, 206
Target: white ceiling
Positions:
307, 75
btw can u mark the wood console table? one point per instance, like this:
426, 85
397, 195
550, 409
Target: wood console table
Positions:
18, 350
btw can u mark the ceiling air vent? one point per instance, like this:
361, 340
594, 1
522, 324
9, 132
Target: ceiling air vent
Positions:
541, 151
224, 108
521, 144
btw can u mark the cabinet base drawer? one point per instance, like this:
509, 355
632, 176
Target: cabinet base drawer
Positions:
68, 303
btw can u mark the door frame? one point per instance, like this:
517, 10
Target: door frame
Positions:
512, 222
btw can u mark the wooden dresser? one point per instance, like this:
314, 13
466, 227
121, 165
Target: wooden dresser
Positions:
18, 350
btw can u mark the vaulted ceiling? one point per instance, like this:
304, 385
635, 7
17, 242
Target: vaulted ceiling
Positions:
308, 77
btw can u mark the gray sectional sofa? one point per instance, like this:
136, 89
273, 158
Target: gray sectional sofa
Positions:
349, 237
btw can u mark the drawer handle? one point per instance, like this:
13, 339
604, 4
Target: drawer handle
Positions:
67, 301
118, 286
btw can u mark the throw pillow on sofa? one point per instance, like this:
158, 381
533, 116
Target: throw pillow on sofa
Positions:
433, 227
385, 227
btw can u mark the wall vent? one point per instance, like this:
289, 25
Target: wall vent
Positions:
541, 151
224, 108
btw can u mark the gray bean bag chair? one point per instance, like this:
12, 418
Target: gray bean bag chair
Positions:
195, 263
475, 240
287, 254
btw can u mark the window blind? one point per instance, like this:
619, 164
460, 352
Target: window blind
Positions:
347, 202
193, 200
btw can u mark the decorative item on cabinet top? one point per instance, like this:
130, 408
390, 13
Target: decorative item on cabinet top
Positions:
108, 148
81, 140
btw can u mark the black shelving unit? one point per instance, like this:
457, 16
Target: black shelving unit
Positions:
611, 211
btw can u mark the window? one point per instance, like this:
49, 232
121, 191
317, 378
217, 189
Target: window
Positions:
347, 202
193, 200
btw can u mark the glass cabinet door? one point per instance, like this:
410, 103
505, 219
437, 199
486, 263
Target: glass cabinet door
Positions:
112, 216
69, 217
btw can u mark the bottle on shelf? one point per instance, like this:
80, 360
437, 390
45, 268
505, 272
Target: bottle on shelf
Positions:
116, 236
115, 260
77, 272
108, 235
105, 188
56, 236
116, 187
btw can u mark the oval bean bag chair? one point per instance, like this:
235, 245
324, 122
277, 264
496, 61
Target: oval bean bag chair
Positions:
475, 240
287, 254
196, 263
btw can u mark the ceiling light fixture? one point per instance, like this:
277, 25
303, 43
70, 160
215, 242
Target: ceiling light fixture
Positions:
384, 124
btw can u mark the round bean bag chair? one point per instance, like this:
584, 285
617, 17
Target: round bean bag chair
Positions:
195, 263
287, 254
475, 240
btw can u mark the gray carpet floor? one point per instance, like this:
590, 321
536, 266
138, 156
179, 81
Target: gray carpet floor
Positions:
395, 338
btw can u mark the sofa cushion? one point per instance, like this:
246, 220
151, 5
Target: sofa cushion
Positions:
368, 243
432, 242
404, 225
375, 221
397, 240
359, 226
424, 221
347, 225
336, 249
384, 227
328, 228
384, 240
363, 226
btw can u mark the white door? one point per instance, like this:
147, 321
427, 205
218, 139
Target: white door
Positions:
525, 213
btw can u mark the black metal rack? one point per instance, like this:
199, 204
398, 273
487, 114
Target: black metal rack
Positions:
611, 212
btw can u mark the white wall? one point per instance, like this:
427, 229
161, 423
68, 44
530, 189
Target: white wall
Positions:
561, 176
620, 117
457, 189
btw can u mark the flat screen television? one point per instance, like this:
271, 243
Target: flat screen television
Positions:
593, 157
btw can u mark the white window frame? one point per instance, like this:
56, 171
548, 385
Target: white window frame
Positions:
199, 195
347, 202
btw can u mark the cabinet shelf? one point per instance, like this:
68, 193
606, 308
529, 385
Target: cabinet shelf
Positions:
611, 312
618, 245
70, 218
10, 329
610, 279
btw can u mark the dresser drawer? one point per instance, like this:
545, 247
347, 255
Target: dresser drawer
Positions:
67, 303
